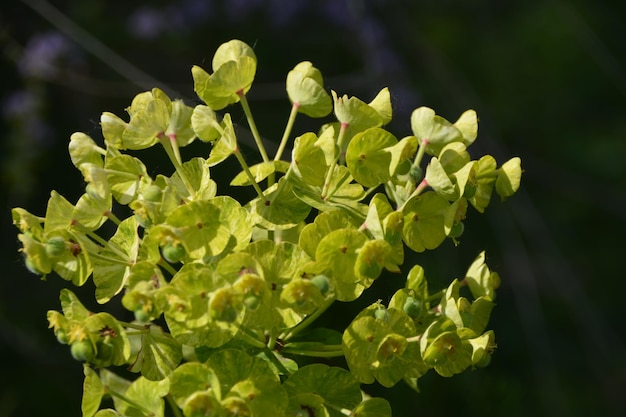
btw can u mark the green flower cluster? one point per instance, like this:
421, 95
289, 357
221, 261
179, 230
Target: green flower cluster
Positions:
223, 293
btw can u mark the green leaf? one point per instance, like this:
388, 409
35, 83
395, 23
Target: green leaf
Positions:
200, 228
27, 222
309, 159
305, 87
382, 104
482, 347
36, 257
323, 224
509, 176
198, 175
281, 263
225, 145
485, 171
453, 157
376, 348
146, 124
338, 251
204, 123
147, 393
83, 149
112, 266
179, 126
335, 388
479, 314
401, 153
234, 68
281, 209
159, 354
124, 175
250, 379
354, 112
448, 354
439, 181
113, 128
192, 377
58, 213
73, 309
372, 407
74, 264
91, 211
481, 281
106, 329
367, 158
434, 132
93, 391
424, 221
467, 124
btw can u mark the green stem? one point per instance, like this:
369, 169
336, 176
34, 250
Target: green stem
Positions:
142, 327
169, 268
436, 296
276, 361
244, 335
307, 320
113, 217
421, 150
288, 128
251, 178
175, 410
124, 398
343, 179
331, 168
105, 244
171, 148
328, 351
253, 129
94, 255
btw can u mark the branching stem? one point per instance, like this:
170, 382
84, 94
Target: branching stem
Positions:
252, 124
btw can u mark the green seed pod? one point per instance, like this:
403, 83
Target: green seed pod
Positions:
322, 282
413, 307
152, 193
381, 314
62, 336
173, 253
56, 246
141, 316
83, 351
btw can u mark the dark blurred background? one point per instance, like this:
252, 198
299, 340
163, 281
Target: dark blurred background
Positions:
547, 78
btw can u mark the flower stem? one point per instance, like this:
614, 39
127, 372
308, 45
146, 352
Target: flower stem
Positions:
327, 351
288, 128
307, 320
251, 178
127, 400
253, 129
175, 410
173, 152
